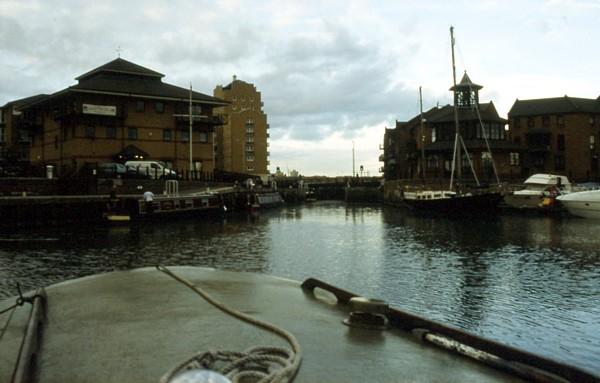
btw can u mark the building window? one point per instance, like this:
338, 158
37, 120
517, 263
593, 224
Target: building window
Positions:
514, 159
545, 120
249, 138
1, 133
559, 162
167, 135
196, 110
249, 157
24, 135
203, 137
432, 134
132, 133
560, 120
139, 106
249, 128
560, 142
432, 162
591, 120
90, 132
530, 122
592, 142
250, 168
185, 136
111, 132
159, 107
249, 147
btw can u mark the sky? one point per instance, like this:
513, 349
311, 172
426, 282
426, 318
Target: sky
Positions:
333, 74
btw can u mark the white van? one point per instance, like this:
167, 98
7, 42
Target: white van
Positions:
152, 169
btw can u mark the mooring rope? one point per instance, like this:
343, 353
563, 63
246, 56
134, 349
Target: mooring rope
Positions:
12, 310
257, 364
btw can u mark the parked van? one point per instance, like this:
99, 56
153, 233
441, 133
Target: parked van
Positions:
150, 169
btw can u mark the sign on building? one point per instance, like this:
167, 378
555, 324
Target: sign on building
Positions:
104, 110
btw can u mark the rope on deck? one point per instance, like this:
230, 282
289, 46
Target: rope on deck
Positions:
257, 364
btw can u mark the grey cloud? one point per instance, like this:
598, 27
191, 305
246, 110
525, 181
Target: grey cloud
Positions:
316, 87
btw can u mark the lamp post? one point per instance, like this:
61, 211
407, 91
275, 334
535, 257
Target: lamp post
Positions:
353, 169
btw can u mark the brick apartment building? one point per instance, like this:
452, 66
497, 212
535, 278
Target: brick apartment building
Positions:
116, 112
405, 145
242, 143
558, 135
15, 138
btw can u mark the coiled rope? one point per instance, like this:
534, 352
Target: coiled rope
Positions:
257, 364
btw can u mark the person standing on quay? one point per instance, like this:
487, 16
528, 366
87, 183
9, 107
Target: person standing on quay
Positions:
149, 200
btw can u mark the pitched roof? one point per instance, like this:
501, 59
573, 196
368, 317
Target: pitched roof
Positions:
27, 100
121, 66
555, 105
127, 86
123, 78
466, 83
487, 111
446, 114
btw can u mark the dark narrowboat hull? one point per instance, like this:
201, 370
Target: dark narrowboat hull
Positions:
458, 205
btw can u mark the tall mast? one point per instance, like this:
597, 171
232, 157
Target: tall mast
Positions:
191, 124
421, 138
457, 161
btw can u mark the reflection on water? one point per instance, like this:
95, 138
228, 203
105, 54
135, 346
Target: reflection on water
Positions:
533, 282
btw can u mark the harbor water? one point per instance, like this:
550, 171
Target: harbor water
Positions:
528, 281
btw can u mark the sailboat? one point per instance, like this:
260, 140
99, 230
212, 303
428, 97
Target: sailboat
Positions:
456, 199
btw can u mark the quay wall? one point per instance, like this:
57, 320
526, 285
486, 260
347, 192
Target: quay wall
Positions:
48, 210
371, 194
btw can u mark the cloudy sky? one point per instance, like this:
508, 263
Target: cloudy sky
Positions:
332, 73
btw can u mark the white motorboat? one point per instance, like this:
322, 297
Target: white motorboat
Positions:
539, 192
584, 204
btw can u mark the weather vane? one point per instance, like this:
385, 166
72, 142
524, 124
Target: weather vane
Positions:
119, 51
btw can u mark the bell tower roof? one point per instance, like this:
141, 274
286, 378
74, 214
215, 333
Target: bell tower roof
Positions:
466, 93
467, 84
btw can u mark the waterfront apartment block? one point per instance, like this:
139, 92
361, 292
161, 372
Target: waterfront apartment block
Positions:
116, 112
15, 139
242, 142
558, 135
412, 146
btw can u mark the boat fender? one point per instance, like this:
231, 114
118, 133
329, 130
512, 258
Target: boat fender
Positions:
368, 313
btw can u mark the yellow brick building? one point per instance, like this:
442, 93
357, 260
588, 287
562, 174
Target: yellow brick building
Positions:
242, 143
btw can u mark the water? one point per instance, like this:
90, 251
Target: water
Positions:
531, 282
